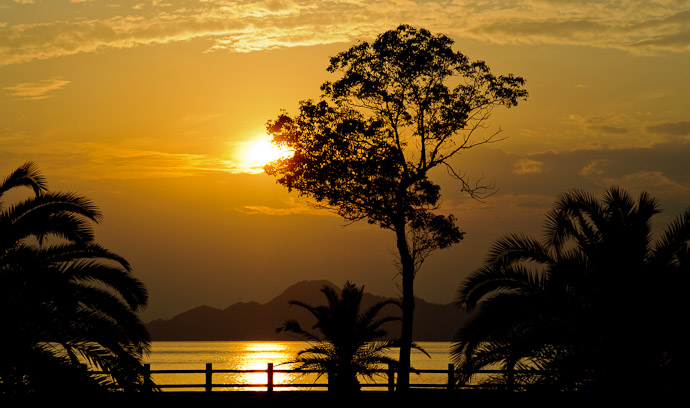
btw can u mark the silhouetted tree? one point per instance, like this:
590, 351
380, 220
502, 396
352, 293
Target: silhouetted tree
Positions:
405, 104
348, 341
67, 303
593, 300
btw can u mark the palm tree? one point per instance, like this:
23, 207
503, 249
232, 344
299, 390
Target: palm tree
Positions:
68, 304
348, 343
593, 300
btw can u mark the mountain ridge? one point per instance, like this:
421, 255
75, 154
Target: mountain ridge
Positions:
258, 321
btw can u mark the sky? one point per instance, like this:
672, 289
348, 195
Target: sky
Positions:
152, 109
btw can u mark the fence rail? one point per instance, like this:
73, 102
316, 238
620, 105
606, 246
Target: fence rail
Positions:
270, 385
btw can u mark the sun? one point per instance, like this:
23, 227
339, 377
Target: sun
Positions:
261, 151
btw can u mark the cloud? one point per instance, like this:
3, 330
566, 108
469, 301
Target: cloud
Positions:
670, 33
661, 169
671, 128
654, 180
621, 130
295, 210
36, 90
241, 168
611, 123
528, 166
121, 158
246, 26
610, 129
634, 25
102, 160
594, 168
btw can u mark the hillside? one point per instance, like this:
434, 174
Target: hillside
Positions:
255, 321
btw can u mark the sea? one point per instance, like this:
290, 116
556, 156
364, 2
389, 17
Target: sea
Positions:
252, 359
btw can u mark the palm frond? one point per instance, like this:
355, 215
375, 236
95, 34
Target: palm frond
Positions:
119, 280
492, 279
27, 175
62, 214
74, 294
513, 248
674, 240
573, 302
346, 342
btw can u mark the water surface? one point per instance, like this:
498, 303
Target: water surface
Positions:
255, 355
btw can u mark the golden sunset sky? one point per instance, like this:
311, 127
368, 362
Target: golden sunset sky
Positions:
149, 108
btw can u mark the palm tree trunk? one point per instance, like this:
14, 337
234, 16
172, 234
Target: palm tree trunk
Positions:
407, 266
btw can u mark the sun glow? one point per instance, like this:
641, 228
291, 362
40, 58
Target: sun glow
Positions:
251, 156
261, 151
258, 355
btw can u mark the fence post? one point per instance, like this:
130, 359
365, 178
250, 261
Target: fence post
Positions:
451, 376
147, 377
209, 377
269, 373
391, 377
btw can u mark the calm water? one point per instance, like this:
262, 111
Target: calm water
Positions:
255, 355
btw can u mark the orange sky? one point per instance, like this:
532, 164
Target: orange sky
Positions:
146, 106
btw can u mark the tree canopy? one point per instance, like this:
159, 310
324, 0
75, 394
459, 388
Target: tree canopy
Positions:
402, 105
67, 303
596, 300
348, 341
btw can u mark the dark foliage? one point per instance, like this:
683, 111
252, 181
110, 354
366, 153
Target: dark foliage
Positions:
348, 341
595, 300
68, 305
403, 105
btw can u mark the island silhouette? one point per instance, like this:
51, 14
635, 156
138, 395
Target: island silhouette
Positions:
247, 321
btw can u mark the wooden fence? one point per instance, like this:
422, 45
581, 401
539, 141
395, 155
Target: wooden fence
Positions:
270, 385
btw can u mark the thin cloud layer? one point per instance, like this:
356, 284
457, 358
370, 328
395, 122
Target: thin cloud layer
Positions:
294, 209
661, 169
681, 128
96, 160
637, 26
528, 166
36, 90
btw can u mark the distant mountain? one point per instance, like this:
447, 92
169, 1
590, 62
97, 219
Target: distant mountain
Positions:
255, 321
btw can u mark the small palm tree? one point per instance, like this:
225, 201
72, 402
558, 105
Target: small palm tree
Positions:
348, 342
593, 300
68, 304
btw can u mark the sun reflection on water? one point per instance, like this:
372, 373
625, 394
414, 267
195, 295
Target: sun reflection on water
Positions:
256, 355
228, 355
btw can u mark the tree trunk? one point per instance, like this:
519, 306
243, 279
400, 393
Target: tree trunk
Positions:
407, 266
